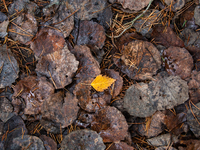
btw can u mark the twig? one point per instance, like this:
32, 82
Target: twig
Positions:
132, 22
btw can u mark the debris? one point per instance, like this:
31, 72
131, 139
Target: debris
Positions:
173, 122
165, 147
119, 104
187, 18
105, 16
85, 119
127, 38
1, 128
51, 127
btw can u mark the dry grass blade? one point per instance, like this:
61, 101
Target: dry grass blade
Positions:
5, 5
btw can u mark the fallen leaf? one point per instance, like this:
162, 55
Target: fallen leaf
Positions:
67, 112
178, 61
101, 83
34, 91
175, 4
88, 66
87, 9
166, 37
120, 146
111, 124
132, 4
86, 100
143, 100
47, 41
196, 15
62, 19
49, 143
191, 144
59, 66
23, 28
139, 60
9, 67
91, 34
193, 117
118, 83
16, 125
82, 139
155, 126
32, 142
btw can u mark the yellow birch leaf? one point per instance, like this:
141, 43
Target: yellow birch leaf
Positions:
100, 83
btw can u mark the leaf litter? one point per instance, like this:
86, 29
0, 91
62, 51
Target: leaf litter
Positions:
108, 74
